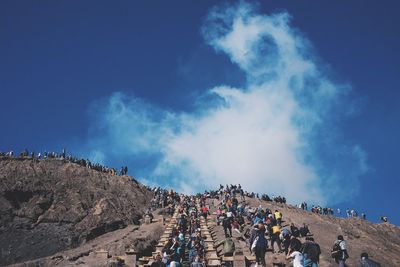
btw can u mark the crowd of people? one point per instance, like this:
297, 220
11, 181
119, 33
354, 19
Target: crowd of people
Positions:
350, 213
267, 231
64, 156
233, 214
186, 235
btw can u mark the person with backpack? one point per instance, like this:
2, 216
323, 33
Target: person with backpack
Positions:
294, 230
227, 224
274, 236
278, 217
304, 231
294, 245
339, 251
297, 257
311, 252
259, 245
285, 239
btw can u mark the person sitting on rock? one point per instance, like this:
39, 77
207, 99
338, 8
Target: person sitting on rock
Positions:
294, 230
304, 230
148, 213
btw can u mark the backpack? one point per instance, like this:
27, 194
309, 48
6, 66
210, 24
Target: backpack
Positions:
226, 222
336, 250
259, 243
285, 232
262, 243
312, 251
276, 229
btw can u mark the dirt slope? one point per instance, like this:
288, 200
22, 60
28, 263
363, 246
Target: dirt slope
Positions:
139, 238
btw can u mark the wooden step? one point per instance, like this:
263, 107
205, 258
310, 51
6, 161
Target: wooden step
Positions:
214, 263
227, 258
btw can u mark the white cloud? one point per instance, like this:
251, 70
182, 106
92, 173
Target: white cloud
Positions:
270, 136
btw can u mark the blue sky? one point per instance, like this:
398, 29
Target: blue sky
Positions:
162, 86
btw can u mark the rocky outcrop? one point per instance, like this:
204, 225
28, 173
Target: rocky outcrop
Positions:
48, 206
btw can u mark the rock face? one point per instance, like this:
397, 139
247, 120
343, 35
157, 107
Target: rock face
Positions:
48, 206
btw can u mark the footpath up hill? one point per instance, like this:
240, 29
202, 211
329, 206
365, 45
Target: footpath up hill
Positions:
52, 205
380, 241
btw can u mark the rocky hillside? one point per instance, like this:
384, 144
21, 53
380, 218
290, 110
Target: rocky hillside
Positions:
53, 212
48, 206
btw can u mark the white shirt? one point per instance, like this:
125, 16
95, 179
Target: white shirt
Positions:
297, 259
342, 245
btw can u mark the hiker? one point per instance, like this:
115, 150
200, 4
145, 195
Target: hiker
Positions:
236, 226
259, 245
150, 215
196, 262
278, 217
295, 245
285, 239
339, 251
297, 258
384, 219
205, 212
304, 230
311, 252
253, 235
348, 213
294, 230
227, 224
158, 261
366, 262
274, 236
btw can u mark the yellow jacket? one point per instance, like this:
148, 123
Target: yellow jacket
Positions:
278, 215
